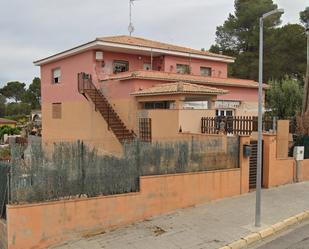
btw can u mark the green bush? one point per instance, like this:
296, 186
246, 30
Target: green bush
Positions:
8, 130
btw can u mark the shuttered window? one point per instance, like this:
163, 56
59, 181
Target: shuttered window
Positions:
56, 75
56, 111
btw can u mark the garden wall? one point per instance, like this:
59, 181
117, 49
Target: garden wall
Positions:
304, 170
276, 171
43, 224
3, 234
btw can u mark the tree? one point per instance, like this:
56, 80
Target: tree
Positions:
2, 105
33, 94
14, 109
286, 52
303, 121
284, 97
304, 16
239, 37
14, 90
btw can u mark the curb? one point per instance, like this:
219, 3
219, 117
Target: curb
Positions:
268, 231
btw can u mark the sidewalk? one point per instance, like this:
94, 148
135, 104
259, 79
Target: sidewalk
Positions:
210, 225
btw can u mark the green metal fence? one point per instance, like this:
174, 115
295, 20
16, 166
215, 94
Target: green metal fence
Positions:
73, 170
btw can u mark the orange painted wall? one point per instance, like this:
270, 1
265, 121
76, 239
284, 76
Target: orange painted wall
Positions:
39, 225
3, 234
276, 171
305, 170
79, 121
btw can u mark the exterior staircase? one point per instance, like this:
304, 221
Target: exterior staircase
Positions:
114, 123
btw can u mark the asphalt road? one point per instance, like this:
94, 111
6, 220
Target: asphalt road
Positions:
295, 238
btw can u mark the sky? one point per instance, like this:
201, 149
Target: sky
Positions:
34, 29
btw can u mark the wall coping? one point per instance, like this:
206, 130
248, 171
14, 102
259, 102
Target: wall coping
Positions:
65, 201
270, 134
201, 134
190, 173
286, 158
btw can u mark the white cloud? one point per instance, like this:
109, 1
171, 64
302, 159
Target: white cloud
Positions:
34, 28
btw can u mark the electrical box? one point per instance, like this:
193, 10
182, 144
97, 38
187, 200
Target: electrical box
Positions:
298, 153
247, 150
99, 56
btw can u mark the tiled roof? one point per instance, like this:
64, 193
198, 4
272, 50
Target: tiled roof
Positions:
7, 121
179, 87
174, 77
142, 42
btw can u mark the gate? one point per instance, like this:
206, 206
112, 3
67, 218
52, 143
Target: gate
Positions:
145, 134
4, 169
253, 165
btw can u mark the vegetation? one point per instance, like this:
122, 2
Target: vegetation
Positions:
24, 100
284, 47
285, 97
303, 120
8, 130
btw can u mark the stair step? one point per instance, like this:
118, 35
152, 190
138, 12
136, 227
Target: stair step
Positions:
117, 125
109, 114
120, 129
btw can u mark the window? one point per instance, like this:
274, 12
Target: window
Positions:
56, 75
205, 71
183, 69
147, 66
224, 112
56, 111
158, 105
120, 66
200, 105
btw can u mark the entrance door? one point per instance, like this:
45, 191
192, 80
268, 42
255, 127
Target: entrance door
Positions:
253, 165
224, 112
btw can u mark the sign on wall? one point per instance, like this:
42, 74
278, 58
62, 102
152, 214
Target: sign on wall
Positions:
227, 104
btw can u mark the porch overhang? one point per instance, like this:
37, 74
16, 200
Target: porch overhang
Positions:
179, 88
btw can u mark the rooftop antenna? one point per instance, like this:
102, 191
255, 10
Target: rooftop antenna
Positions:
131, 27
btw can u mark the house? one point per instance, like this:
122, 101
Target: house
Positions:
131, 87
7, 122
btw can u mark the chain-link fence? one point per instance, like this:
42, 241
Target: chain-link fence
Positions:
74, 170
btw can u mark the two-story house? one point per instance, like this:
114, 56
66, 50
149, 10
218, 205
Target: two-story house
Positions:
136, 87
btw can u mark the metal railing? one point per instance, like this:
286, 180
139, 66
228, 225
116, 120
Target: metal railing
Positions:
87, 88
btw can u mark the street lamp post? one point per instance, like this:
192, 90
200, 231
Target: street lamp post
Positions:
260, 122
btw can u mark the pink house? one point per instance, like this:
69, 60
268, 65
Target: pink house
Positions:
136, 87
